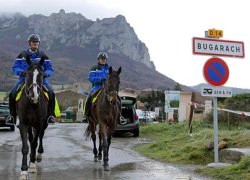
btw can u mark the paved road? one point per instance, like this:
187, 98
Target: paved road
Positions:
68, 156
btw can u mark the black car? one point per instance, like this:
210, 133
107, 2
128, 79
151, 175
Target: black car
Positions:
129, 121
4, 113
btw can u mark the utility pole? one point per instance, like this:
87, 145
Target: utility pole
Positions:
191, 113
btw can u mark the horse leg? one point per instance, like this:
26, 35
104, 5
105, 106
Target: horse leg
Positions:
91, 129
32, 167
105, 152
109, 142
25, 150
30, 135
100, 147
103, 128
40, 148
34, 144
93, 136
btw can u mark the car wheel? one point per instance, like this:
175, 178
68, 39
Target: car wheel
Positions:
136, 132
12, 128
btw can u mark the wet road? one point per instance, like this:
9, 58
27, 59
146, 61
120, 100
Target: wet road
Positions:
69, 156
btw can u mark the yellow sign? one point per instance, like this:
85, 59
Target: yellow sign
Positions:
215, 33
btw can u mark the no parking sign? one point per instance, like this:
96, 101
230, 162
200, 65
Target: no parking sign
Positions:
216, 71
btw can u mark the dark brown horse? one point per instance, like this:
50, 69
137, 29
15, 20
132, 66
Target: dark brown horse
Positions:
105, 112
32, 110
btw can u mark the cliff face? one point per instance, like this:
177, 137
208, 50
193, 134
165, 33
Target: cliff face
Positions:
113, 35
73, 41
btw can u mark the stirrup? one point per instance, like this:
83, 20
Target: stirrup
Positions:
10, 120
51, 119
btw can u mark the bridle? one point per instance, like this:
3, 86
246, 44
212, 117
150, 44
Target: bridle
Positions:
36, 88
31, 86
110, 95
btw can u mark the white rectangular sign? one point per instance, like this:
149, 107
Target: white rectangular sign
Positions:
216, 47
157, 111
216, 91
172, 100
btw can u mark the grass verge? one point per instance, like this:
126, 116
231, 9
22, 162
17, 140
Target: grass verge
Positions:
173, 144
237, 171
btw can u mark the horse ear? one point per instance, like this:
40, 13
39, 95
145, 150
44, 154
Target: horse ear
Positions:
110, 69
41, 60
119, 71
28, 60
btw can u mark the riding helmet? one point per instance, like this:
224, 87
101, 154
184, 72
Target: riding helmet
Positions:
34, 37
102, 55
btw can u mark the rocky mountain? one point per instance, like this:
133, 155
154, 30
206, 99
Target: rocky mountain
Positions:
113, 35
73, 41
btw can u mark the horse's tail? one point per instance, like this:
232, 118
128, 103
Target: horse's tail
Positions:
87, 132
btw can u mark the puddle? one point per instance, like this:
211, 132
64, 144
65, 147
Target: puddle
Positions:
128, 167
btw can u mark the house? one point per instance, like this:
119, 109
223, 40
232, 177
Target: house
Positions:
69, 98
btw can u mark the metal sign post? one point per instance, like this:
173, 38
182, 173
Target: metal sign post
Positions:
216, 151
216, 73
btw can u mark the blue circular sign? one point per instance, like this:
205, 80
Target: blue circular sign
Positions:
216, 71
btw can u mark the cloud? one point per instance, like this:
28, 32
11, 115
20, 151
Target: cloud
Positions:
87, 8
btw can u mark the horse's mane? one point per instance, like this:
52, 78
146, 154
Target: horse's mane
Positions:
35, 65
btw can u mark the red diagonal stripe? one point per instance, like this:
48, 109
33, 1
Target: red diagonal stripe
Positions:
216, 71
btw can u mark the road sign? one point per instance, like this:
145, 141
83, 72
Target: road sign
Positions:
172, 100
216, 47
215, 33
216, 91
216, 71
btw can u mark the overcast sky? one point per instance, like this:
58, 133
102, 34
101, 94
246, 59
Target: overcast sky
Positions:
167, 28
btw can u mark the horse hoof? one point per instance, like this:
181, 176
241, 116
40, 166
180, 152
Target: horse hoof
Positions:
95, 159
23, 175
39, 157
106, 168
32, 168
100, 157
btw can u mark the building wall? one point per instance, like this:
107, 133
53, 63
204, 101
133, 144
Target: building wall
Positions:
69, 99
184, 110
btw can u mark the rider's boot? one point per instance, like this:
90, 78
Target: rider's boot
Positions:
86, 107
120, 110
51, 118
11, 119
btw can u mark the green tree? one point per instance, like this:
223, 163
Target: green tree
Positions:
177, 87
154, 99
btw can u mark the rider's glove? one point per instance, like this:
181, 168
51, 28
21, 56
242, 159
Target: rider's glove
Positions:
23, 73
45, 75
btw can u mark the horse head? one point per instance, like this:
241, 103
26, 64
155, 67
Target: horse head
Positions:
112, 85
33, 80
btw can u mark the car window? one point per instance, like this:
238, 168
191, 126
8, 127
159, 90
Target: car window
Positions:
139, 112
127, 101
4, 109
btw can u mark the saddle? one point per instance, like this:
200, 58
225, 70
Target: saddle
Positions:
95, 95
20, 91
57, 111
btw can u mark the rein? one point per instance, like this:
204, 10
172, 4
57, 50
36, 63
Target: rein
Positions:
109, 95
31, 86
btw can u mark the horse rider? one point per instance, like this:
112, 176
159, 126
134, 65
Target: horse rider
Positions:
97, 74
19, 68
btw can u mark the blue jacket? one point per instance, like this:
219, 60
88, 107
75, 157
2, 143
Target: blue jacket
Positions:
20, 65
96, 74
